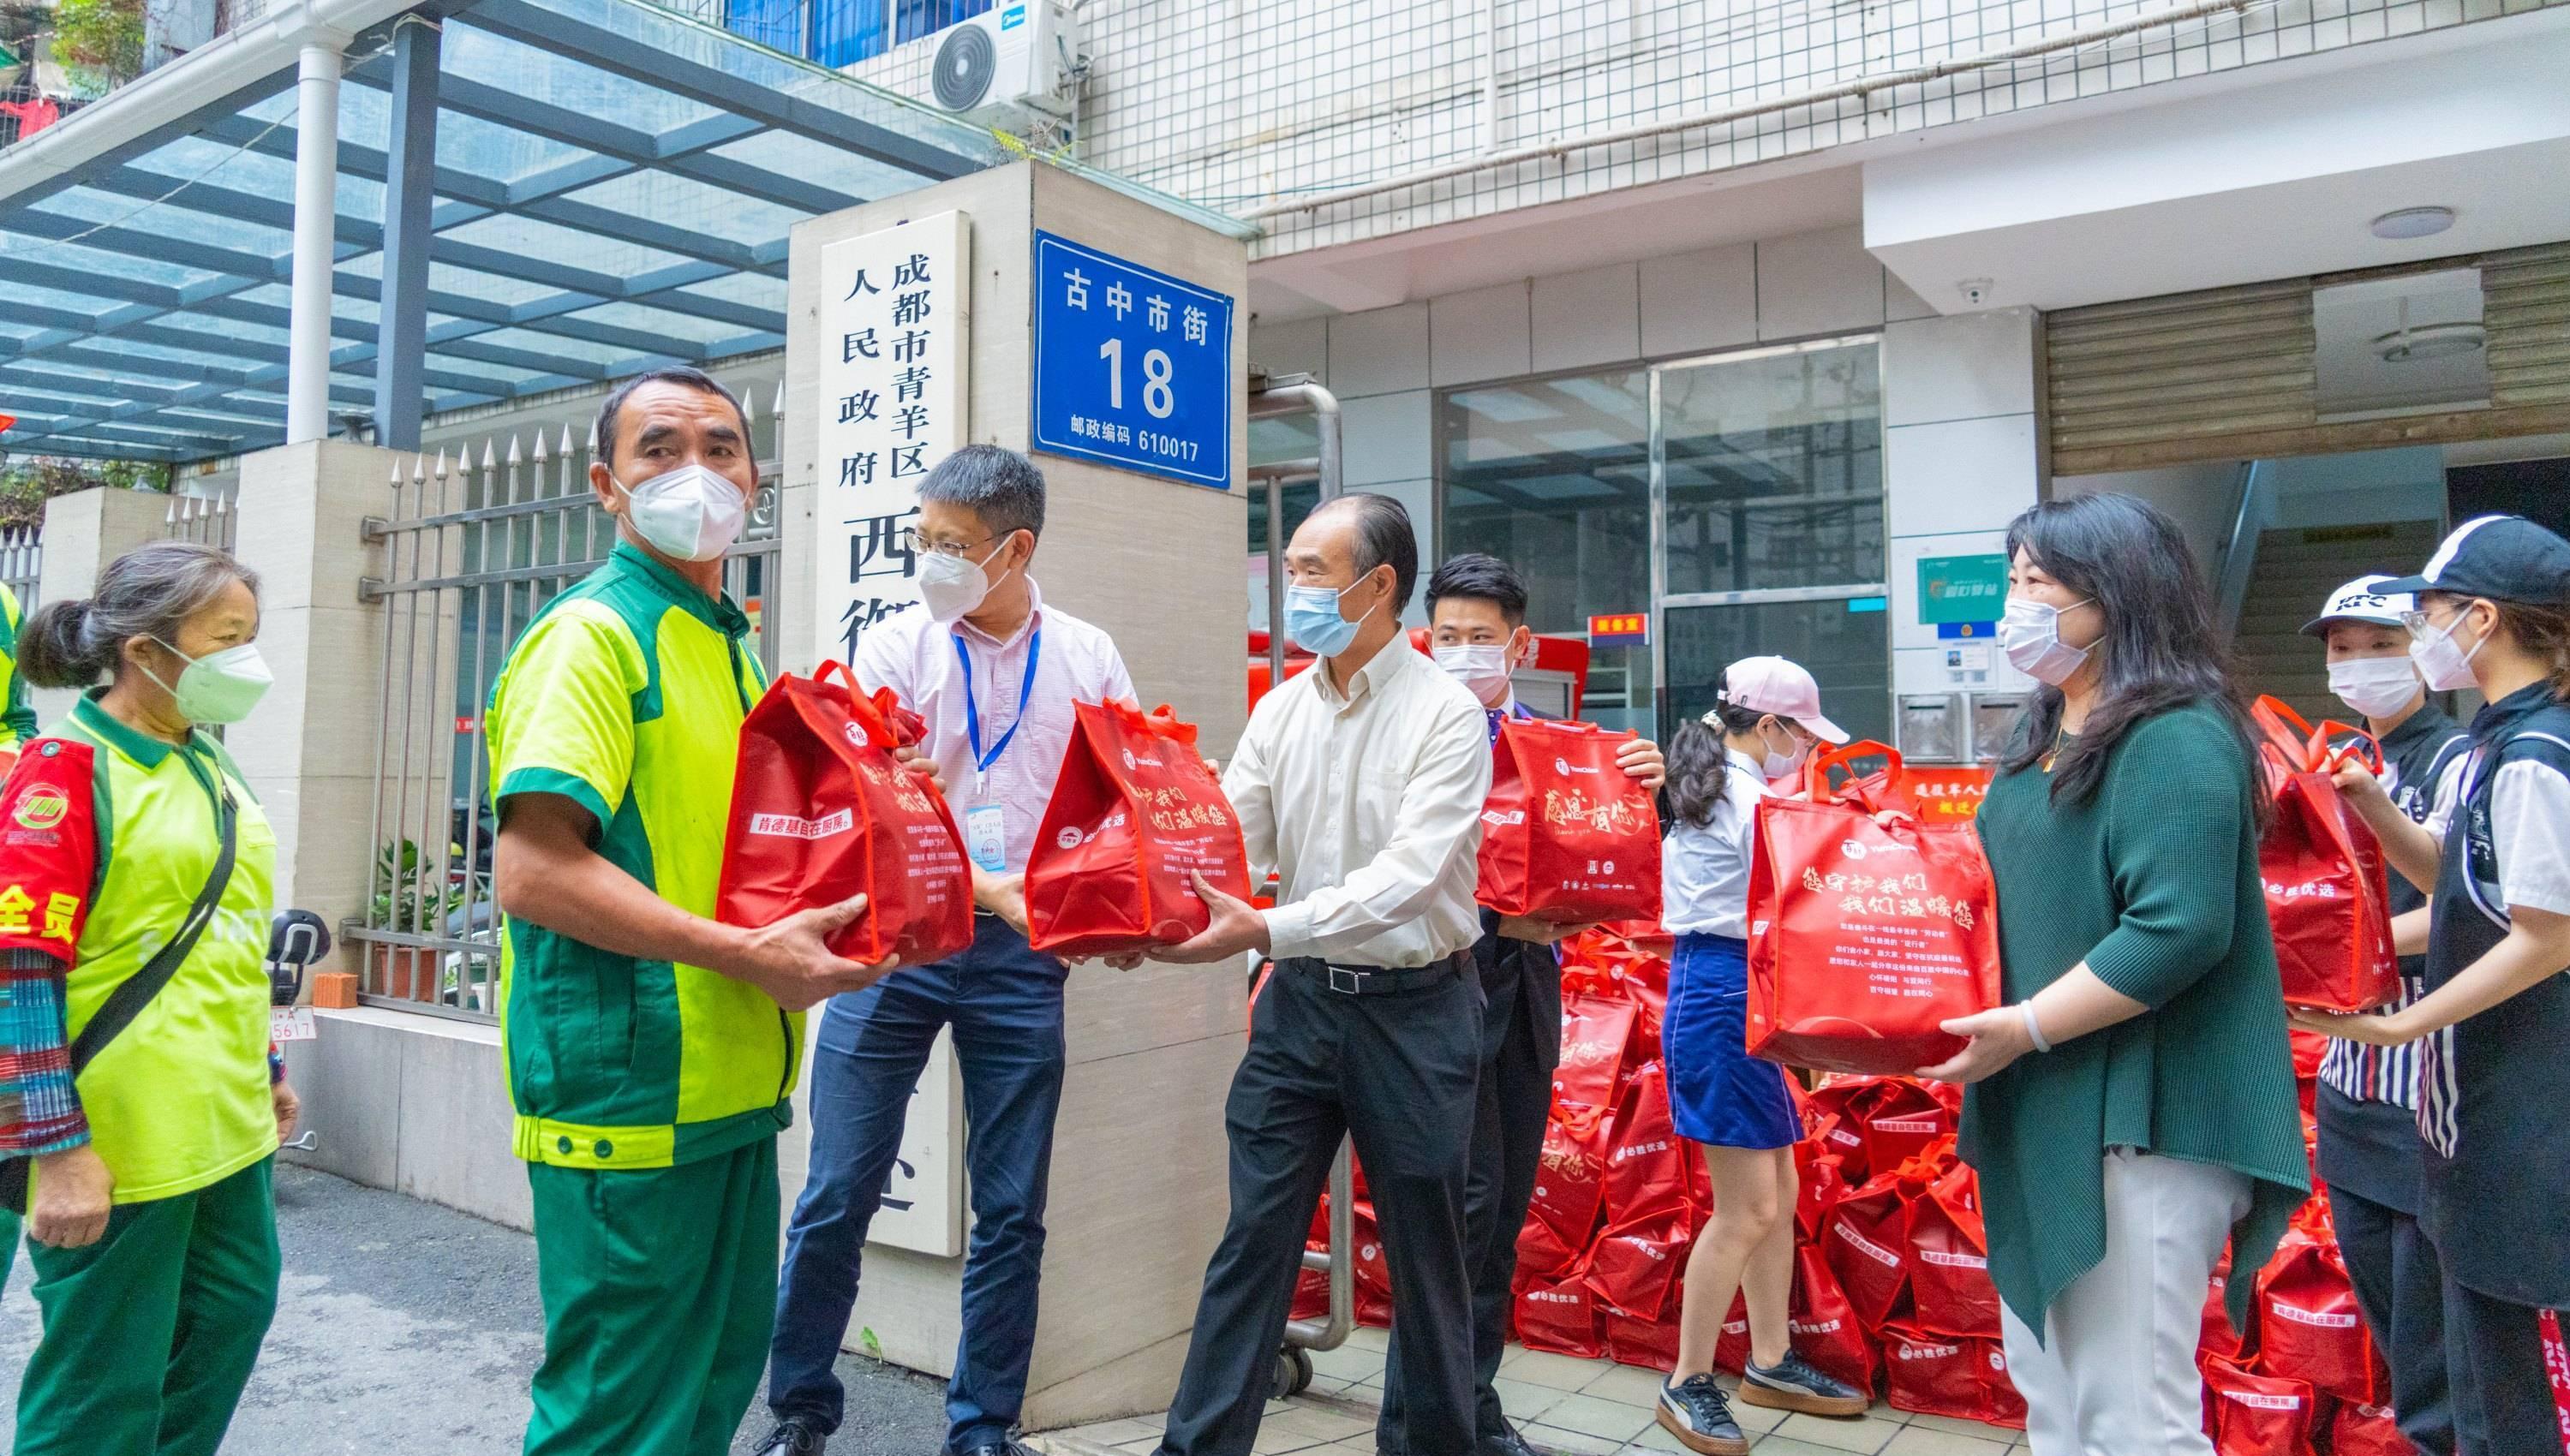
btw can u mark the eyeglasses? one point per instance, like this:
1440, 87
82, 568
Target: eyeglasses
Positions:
916, 544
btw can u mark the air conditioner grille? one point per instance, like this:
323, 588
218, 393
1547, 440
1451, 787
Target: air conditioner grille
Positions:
966, 63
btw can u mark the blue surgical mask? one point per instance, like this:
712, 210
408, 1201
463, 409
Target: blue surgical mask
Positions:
1311, 619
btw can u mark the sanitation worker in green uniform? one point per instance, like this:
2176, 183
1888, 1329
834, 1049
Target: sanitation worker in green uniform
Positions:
650, 1049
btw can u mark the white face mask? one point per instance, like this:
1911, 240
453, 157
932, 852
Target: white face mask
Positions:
689, 513
2030, 635
1480, 666
2446, 667
1783, 764
2377, 687
950, 587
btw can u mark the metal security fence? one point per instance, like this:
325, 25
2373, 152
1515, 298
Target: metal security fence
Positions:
208, 519
475, 546
22, 560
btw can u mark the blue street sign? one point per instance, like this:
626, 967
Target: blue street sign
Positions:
1132, 368
1967, 629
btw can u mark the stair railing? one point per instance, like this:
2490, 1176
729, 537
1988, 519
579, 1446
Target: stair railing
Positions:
2240, 554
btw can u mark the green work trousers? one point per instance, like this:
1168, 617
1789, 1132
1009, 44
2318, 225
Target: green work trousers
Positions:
151, 1332
659, 1288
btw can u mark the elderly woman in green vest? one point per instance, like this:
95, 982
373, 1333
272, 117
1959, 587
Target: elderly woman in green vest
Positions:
145, 1104
2133, 1106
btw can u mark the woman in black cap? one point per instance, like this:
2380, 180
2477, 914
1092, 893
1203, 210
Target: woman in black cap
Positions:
2493, 614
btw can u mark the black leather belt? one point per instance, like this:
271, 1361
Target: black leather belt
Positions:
1375, 980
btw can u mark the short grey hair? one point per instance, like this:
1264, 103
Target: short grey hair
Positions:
150, 591
1000, 485
1383, 539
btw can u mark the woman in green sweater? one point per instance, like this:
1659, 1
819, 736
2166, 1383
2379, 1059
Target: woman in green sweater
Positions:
2133, 1105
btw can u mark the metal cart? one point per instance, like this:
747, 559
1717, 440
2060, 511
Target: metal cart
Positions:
1271, 398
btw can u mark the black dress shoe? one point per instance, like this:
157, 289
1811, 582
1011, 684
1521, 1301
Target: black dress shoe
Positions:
1001, 1449
793, 1436
1510, 1442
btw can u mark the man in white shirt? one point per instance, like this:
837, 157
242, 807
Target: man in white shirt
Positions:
995, 672
1361, 783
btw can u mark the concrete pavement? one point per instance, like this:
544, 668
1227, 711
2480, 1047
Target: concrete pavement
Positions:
407, 1328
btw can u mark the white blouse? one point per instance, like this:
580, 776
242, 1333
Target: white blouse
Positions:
1704, 870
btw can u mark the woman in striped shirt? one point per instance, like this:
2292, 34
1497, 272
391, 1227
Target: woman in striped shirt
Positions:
2369, 1151
2493, 613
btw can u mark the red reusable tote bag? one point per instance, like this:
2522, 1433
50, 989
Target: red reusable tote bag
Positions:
1950, 1260
1565, 833
2327, 897
822, 811
2258, 1415
1134, 814
1863, 937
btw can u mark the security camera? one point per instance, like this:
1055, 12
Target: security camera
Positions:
1975, 291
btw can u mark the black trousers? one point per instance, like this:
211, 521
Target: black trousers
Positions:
2400, 1287
2371, 1158
1520, 1047
2502, 1395
1396, 1074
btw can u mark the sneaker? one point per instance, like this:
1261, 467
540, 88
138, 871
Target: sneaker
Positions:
793, 1436
1695, 1412
1791, 1384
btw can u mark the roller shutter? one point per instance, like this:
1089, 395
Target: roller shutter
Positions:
2227, 373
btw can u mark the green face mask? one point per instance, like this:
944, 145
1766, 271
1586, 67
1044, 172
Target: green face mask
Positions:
220, 687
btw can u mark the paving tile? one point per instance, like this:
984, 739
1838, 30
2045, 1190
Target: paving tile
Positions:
1657, 1438
1956, 1426
1367, 1337
1611, 1420
1276, 1440
1630, 1384
1322, 1424
1757, 1420
1787, 1446
1561, 1372
1348, 1362
1571, 1443
1522, 1400
1119, 1432
1866, 1433
1921, 1441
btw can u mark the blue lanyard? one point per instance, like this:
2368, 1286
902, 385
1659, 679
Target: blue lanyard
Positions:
972, 714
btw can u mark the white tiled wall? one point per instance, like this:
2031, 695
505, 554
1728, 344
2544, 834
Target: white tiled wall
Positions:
1479, 335
1587, 318
1961, 460
1241, 104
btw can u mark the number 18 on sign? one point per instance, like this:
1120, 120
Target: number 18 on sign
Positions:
1132, 368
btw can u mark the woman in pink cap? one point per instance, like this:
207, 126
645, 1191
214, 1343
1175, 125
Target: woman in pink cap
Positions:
1765, 722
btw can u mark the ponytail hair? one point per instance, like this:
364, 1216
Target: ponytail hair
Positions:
1700, 762
2543, 633
149, 592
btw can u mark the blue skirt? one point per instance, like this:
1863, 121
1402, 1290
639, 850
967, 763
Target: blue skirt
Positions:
1718, 1092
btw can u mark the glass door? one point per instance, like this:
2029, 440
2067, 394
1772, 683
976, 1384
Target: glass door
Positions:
1766, 477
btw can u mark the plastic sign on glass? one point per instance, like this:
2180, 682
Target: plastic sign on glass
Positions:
1961, 588
1620, 629
1132, 368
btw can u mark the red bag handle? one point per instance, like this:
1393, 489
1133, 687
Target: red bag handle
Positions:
1161, 722
2304, 748
889, 723
1816, 774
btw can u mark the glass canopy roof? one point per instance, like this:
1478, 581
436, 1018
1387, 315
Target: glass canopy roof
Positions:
613, 187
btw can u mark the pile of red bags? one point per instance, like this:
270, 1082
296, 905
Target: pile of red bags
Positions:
1892, 1288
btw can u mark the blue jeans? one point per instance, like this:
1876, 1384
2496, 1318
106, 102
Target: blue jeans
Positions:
1004, 1003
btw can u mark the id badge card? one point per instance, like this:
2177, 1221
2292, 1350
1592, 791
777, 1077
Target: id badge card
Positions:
985, 838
